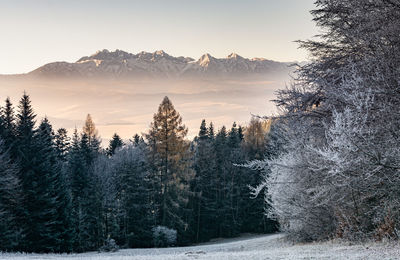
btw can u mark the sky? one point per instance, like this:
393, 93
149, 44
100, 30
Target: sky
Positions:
34, 33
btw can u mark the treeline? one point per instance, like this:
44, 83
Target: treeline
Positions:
338, 174
63, 194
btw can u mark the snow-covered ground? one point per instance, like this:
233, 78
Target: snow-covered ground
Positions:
244, 248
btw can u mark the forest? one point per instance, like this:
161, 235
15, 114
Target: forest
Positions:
68, 194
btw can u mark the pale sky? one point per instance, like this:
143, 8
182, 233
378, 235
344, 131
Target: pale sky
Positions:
34, 33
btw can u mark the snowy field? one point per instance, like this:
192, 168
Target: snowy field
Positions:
245, 248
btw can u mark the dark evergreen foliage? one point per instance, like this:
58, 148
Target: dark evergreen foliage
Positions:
115, 143
62, 142
135, 213
11, 203
62, 194
202, 198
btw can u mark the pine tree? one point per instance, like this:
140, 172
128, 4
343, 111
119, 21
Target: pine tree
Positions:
115, 143
171, 156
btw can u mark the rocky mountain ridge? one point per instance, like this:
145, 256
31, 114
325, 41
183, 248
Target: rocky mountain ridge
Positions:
119, 63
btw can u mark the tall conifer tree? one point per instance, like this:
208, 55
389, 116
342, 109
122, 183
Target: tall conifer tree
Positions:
54, 183
171, 155
202, 200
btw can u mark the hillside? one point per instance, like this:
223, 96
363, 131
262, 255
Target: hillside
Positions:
248, 247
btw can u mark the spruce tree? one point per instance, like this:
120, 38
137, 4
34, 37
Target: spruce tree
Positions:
78, 179
203, 208
115, 143
55, 184
137, 140
226, 182
234, 182
85, 215
8, 125
86, 201
38, 173
62, 142
211, 133
25, 153
220, 189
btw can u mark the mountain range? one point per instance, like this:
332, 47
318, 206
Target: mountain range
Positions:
122, 90
159, 64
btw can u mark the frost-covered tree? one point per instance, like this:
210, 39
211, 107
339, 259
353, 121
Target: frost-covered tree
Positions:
256, 148
103, 200
338, 174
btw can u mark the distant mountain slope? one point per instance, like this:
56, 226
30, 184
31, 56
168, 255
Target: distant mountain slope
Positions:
120, 64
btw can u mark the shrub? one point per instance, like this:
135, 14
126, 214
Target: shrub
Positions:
109, 246
163, 236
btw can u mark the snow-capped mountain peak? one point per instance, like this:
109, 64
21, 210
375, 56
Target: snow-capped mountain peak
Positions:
234, 56
119, 63
205, 60
160, 53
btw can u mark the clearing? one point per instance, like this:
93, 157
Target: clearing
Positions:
243, 248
